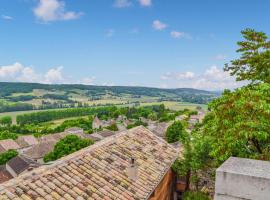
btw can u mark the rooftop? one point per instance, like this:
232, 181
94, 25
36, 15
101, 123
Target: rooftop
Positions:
8, 144
99, 171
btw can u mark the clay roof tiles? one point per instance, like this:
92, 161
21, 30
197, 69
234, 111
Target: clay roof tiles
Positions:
99, 171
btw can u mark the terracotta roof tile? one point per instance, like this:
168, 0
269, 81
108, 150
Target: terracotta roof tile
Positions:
99, 171
8, 144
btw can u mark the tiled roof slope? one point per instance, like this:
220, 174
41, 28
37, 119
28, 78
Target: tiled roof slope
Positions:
99, 172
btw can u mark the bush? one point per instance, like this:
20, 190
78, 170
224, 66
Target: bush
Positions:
175, 131
137, 123
195, 196
6, 156
6, 121
7, 135
66, 146
112, 127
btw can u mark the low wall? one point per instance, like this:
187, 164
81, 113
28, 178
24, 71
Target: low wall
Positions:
243, 179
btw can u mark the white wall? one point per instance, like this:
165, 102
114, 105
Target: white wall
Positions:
238, 179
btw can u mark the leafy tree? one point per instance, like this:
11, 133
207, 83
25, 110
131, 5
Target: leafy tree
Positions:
238, 124
7, 135
254, 62
6, 156
66, 146
112, 127
6, 121
175, 131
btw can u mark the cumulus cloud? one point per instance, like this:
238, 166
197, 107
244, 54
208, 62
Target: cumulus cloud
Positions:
122, 3
145, 2
212, 79
178, 75
54, 10
20, 73
158, 25
6, 17
54, 75
178, 35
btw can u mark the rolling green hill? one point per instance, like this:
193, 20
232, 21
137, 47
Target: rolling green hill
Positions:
32, 96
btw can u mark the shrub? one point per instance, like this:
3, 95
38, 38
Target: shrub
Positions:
195, 196
112, 127
174, 132
6, 156
7, 135
66, 146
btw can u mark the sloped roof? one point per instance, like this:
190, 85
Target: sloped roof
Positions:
20, 164
4, 174
106, 133
8, 144
99, 171
53, 137
40, 150
26, 140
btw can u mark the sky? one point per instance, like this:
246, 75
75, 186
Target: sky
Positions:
154, 43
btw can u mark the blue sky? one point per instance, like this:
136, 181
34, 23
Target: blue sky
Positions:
172, 43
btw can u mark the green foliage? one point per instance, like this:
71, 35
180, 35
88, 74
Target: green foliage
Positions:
7, 135
6, 156
45, 116
254, 63
85, 124
6, 121
137, 123
195, 196
112, 127
238, 124
16, 106
175, 131
66, 146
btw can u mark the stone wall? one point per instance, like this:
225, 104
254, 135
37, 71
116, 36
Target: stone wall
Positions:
243, 179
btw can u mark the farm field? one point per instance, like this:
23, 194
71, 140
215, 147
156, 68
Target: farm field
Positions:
168, 104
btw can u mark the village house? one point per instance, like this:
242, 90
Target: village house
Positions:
26, 141
134, 164
38, 151
74, 130
4, 174
8, 144
181, 117
159, 128
97, 123
19, 165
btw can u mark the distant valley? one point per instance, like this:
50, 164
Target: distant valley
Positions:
34, 96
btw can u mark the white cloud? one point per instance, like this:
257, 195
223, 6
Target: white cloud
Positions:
158, 25
6, 17
54, 75
220, 57
178, 76
178, 35
122, 3
213, 78
54, 10
110, 33
20, 73
145, 2
87, 81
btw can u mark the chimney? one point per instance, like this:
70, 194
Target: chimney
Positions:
132, 170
